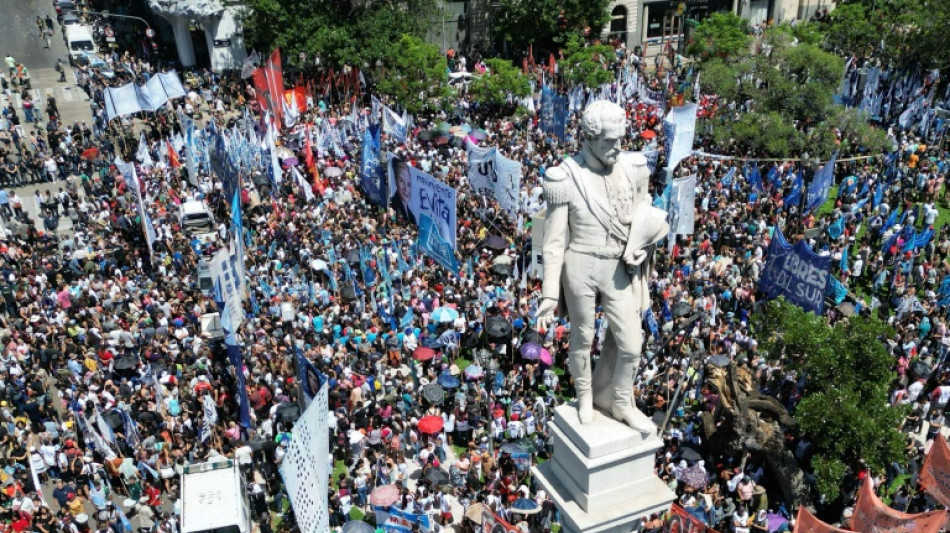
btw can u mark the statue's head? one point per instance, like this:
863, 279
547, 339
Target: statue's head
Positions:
603, 127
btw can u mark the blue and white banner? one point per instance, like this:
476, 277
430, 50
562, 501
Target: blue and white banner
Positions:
395, 520
394, 125
679, 127
796, 273
436, 200
821, 184
433, 244
224, 272
682, 208
493, 175
652, 157
417, 194
372, 177
553, 117
132, 181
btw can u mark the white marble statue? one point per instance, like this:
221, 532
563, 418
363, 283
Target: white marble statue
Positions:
599, 237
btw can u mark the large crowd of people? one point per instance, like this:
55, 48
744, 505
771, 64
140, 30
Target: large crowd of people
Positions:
98, 320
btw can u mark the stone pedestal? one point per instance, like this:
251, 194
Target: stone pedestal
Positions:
600, 475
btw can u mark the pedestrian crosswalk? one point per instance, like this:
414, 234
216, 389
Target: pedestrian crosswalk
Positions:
40, 94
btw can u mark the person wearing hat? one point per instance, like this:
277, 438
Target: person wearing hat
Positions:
761, 522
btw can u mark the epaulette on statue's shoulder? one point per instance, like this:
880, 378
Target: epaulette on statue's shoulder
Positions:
557, 185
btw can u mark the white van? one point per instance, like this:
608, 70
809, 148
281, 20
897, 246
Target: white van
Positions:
79, 41
195, 217
213, 499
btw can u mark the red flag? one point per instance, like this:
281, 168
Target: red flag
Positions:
261, 88
552, 64
318, 185
275, 84
531, 62
172, 155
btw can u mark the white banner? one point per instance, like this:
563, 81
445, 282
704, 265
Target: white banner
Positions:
536, 270
224, 272
131, 98
306, 467
493, 175
683, 205
680, 129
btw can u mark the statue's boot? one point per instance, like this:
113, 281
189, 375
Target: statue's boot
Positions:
623, 408
580, 370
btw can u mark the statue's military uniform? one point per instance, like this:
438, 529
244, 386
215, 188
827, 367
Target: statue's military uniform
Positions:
586, 230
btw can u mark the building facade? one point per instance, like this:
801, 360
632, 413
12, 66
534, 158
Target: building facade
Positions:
205, 32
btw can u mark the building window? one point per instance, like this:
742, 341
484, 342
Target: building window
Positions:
618, 23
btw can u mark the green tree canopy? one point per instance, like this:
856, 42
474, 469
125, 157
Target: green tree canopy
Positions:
547, 24
414, 74
721, 35
907, 32
587, 63
501, 80
789, 86
341, 32
844, 410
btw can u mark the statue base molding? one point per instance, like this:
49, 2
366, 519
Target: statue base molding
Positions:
600, 475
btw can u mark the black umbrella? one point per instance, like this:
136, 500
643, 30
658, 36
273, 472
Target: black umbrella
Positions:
126, 363
497, 327
348, 292
115, 420
353, 256
718, 360
494, 242
512, 447
433, 393
680, 309
288, 413
688, 453
426, 135
658, 418
437, 476
256, 444
531, 335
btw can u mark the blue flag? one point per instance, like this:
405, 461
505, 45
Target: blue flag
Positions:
843, 264
309, 378
835, 230
753, 176
836, 290
796, 273
878, 195
821, 184
553, 112
406, 320
373, 177
795, 195
650, 320
923, 238
773, 177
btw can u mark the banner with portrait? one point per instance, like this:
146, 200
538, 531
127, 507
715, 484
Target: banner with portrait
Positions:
429, 204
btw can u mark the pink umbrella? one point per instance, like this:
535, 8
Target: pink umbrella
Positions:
545, 357
384, 495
